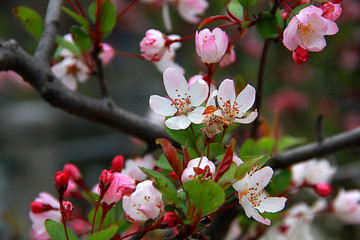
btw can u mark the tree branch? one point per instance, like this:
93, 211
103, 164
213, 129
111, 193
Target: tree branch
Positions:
327, 146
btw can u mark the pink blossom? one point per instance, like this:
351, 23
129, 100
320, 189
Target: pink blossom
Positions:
70, 71
252, 197
196, 167
107, 53
132, 170
120, 185
307, 30
232, 108
331, 11
181, 102
312, 172
228, 58
190, 9
152, 46
38, 219
346, 206
146, 202
211, 45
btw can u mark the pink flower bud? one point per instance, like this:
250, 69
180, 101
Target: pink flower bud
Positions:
211, 46
228, 58
107, 53
171, 219
61, 179
196, 167
106, 177
331, 11
300, 55
323, 189
73, 171
68, 208
117, 164
120, 185
152, 46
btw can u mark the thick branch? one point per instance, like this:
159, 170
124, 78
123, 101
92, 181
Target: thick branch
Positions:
328, 146
13, 57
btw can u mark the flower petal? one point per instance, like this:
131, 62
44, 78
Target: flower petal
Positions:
248, 119
196, 116
272, 204
246, 98
226, 92
261, 178
198, 92
175, 83
161, 106
178, 122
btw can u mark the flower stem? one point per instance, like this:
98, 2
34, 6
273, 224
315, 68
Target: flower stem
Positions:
126, 9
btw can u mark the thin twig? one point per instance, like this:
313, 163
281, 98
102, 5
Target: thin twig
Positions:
100, 73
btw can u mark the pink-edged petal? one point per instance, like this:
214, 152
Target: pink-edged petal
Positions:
196, 116
289, 37
261, 178
311, 10
314, 44
175, 83
149, 210
178, 122
161, 106
209, 51
221, 40
246, 98
332, 27
198, 92
130, 208
226, 92
272, 204
260, 219
252, 116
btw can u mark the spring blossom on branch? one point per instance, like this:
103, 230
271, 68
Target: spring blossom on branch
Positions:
211, 45
196, 167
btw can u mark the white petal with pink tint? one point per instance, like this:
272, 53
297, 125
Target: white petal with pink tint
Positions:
161, 106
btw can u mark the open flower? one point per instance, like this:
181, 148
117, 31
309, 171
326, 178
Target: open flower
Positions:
211, 45
50, 210
120, 185
196, 167
181, 102
307, 30
152, 46
232, 108
132, 169
252, 196
146, 202
346, 206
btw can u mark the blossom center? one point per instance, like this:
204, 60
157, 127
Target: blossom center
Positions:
72, 69
182, 104
306, 31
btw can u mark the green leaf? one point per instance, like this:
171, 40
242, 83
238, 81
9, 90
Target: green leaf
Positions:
207, 196
163, 163
185, 136
267, 26
56, 231
106, 234
31, 20
289, 141
108, 17
81, 39
249, 163
248, 3
267, 143
108, 220
280, 182
216, 149
236, 8
78, 18
229, 175
159, 178
68, 45
250, 148
91, 11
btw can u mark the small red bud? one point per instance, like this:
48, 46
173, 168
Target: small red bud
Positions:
323, 189
117, 164
300, 55
171, 219
335, 1
39, 207
105, 179
68, 208
73, 171
61, 179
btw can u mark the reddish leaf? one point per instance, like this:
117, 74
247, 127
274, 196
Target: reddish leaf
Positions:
171, 155
226, 162
186, 157
212, 19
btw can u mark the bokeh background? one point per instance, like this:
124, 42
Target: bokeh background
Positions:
36, 140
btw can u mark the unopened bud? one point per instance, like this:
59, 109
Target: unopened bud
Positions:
323, 189
117, 164
105, 179
335, 1
39, 207
61, 179
300, 55
73, 171
171, 219
68, 208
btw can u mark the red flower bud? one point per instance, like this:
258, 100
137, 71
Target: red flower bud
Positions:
117, 164
61, 179
39, 207
68, 208
335, 1
73, 171
323, 189
105, 179
171, 219
300, 55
